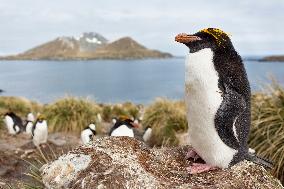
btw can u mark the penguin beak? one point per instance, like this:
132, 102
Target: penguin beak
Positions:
186, 38
135, 125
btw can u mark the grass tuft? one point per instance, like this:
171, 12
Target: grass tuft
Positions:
43, 157
166, 118
71, 114
19, 105
267, 130
127, 109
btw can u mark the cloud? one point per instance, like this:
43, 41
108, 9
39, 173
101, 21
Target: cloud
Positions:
255, 25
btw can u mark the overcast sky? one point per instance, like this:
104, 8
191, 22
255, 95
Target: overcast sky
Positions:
256, 26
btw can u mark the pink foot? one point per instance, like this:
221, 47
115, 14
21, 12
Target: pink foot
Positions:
192, 154
196, 168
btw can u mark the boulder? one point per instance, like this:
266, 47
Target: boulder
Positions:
122, 162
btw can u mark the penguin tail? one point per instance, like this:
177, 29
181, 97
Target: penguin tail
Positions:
259, 160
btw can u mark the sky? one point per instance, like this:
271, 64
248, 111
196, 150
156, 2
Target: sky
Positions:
256, 26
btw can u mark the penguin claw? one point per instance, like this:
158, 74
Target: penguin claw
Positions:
192, 154
197, 168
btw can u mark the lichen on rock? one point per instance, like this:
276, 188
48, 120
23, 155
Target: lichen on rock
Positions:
123, 162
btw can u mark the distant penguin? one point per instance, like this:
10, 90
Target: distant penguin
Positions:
29, 123
218, 101
13, 123
147, 134
99, 117
113, 120
40, 131
88, 133
31, 117
123, 127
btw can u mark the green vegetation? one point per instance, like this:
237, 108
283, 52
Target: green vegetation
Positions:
166, 118
267, 130
71, 114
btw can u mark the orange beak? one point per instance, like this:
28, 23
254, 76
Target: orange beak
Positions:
135, 125
186, 38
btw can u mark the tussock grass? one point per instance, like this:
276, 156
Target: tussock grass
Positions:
36, 163
166, 118
21, 106
267, 130
71, 114
127, 109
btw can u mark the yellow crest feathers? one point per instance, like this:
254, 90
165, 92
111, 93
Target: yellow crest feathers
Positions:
40, 117
123, 117
217, 34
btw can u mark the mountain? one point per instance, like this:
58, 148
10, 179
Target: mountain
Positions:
88, 46
127, 48
279, 58
90, 41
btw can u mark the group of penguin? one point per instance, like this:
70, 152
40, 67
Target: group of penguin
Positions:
38, 130
122, 126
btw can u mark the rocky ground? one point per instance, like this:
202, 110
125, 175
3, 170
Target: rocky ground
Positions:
18, 155
116, 162
123, 162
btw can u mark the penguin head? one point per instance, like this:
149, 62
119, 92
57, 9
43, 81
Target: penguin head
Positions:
9, 113
213, 38
128, 121
40, 118
114, 120
92, 126
30, 117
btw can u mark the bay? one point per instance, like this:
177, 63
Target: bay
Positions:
111, 81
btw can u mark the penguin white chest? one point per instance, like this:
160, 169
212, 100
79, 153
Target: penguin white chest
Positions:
147, 134
9, 122
123, 130
40, 133
85, 136
203, 98
29, 128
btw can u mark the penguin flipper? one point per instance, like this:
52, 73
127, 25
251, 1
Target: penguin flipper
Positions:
259, 160
15, 126
33, 128
229, 117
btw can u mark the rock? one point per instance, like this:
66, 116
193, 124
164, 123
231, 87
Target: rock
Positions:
122, 162
57, 142
3, 171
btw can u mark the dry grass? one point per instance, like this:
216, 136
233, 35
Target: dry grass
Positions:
126, 109
71, 114
166, 118
42, 157
21, 106
267, 130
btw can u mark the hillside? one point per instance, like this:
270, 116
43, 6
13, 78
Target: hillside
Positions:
88, 46
279, 58
127, 48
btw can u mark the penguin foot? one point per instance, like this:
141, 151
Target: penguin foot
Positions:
192, 154
196, 168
